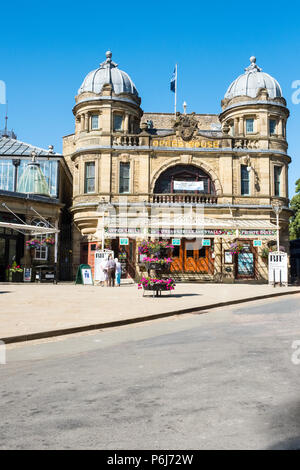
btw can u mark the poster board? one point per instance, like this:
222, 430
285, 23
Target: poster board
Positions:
100, 255
84, 275
27, 274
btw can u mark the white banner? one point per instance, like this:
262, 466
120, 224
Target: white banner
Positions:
188, 185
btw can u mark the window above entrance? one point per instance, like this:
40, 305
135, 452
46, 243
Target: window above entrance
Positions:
184, 179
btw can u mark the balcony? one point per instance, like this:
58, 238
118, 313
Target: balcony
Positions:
184, 198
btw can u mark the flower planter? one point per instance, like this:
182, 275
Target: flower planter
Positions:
15, 276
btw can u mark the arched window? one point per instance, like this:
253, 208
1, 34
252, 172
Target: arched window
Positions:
41, 253
184, 179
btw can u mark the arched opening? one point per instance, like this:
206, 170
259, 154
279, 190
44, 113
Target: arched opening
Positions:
184, 179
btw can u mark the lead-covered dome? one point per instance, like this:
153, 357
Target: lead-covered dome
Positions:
252, 81
108, 73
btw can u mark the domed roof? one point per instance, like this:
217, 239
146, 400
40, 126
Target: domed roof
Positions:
108, 73
251, 81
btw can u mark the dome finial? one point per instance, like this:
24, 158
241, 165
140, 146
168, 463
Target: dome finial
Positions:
253, 67
108, 63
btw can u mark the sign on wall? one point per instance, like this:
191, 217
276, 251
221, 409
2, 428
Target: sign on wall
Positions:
257, 243
205, 242
176, 241
124, 241
188, 185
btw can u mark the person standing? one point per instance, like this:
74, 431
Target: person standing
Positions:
118, 272
111, 271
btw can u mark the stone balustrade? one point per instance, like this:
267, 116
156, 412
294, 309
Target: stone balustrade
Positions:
184, 198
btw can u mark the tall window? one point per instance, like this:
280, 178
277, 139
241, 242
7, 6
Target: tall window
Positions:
272, 126
245, 181
89, 177
40, 253
118, 120
249, 126
95, 121
277, 176
124, 177
7, 175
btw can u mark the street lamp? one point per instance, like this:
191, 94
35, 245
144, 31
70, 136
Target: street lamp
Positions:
277, 208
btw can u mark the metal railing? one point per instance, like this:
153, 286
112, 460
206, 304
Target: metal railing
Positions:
184, 198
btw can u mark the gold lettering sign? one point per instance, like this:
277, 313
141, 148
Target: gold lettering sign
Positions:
179, 143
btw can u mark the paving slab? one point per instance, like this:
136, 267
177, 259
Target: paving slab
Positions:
29, 309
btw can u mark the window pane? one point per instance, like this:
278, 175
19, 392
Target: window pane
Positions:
89, 183
277, 175
118, 122
272, 124
124, 177
245, 178
95, 121
249, 126
7, 175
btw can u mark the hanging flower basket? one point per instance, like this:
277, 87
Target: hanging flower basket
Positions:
49, 241
33, 243
236, 248
153, 248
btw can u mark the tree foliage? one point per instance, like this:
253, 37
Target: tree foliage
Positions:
295, 220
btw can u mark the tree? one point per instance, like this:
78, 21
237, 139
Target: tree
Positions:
295, 220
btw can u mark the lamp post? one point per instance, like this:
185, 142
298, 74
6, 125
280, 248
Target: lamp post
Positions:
277, 208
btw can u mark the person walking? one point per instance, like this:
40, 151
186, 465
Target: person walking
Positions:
118, 272
111, 271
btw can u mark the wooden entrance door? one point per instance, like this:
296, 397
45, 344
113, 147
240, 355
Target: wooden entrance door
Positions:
191, 258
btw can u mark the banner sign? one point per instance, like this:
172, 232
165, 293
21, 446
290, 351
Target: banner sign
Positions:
179, 143
269, 233
188, 185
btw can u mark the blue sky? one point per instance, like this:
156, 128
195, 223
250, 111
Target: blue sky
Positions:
47, 48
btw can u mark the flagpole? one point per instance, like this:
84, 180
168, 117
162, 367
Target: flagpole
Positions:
175, 97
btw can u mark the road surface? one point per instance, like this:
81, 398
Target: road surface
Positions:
225, 379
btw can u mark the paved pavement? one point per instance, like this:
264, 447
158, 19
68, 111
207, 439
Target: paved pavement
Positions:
33, 308
227, 380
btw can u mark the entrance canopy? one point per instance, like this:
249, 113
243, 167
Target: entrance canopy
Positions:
179, 227
29, 229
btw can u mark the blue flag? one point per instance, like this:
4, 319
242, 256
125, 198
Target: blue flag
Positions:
173, 81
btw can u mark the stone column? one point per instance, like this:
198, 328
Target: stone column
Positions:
236, 126
280, 128
218, 259
82, 122
87, 122
126, 123
241, 126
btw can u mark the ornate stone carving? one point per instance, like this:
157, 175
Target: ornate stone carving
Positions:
186, 126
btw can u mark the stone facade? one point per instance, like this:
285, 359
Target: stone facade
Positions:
249, 134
